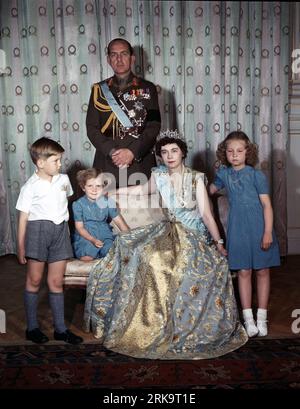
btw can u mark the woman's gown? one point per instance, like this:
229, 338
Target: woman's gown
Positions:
164, 291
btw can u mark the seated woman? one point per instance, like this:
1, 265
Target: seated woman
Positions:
164, 291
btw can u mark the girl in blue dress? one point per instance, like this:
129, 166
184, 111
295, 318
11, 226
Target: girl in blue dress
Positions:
92, 214
251, 242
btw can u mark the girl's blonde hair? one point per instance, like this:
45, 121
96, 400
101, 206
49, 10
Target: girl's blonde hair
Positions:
83, 176
252, 148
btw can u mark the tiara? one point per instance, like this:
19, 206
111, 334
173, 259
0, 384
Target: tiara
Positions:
170, 134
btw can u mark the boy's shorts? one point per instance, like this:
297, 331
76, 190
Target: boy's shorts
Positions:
47, 241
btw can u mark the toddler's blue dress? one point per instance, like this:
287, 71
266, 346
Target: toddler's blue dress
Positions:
246, 219
96, 218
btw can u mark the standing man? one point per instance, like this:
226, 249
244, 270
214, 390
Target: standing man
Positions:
123, 119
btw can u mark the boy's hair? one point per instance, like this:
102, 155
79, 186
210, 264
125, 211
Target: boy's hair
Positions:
252, 148
43, 148
120, 40
167, 140
84, 175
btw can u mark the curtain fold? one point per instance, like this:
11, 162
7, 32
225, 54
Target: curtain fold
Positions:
218, 66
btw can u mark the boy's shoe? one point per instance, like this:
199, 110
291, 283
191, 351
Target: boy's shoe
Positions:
37, 336
68, 337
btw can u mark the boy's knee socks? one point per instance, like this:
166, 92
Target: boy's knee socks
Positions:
56, 301
30, 302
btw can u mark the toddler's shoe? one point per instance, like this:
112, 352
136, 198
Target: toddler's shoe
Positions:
37, 336
68, 337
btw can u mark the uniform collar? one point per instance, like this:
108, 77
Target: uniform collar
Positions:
122, 83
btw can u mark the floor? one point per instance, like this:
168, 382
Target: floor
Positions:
284, 299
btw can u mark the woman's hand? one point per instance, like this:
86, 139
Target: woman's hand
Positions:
221, 249
111, 192
267, 240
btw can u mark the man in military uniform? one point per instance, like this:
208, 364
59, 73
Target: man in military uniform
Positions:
124, 146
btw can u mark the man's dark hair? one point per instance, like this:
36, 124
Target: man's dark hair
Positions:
120, 40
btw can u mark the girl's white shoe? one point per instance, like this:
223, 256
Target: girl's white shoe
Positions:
262, 328
250, 326
262, 322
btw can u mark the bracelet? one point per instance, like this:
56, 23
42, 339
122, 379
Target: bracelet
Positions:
220, 241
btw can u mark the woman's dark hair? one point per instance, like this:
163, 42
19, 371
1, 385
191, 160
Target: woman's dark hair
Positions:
166, 141
252, 148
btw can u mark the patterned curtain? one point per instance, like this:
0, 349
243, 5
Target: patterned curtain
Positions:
218, 66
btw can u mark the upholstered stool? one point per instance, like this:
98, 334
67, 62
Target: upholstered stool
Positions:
77, 273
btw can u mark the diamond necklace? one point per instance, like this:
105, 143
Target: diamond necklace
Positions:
180, 192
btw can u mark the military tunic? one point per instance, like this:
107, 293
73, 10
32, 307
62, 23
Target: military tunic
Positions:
138, 99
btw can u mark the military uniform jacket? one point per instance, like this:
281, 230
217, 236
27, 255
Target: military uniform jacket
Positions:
138, 99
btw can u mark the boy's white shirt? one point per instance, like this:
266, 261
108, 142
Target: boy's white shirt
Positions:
44, 200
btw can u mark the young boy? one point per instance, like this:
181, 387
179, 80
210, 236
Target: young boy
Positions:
43, 237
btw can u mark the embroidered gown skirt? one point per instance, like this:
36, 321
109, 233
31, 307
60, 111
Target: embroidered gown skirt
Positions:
163, 292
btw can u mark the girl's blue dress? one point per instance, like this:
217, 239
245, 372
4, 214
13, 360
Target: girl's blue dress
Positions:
245, 227
164, 291
96, 217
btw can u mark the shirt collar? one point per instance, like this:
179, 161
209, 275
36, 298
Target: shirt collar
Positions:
35, 177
